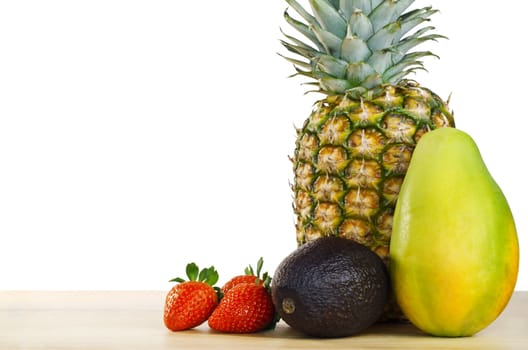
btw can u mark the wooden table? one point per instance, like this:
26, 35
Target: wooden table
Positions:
133, 320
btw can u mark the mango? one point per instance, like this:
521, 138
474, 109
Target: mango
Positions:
454, 247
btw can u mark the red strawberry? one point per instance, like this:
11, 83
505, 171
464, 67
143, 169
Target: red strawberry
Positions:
190, 303
245, 307
248, 277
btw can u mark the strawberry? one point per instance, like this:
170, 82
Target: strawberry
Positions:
189, 303
246, 307
248, 277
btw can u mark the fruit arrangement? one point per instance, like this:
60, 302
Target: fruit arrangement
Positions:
397, 216
242, 305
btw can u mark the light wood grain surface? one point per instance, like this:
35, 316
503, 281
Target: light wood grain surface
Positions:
133, 320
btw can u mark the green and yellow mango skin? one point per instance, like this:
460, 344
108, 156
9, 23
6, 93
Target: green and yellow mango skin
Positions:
454, 247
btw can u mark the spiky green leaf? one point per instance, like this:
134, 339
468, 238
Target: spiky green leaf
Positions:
360, 25
364, 5
388, 11
301, 50
368, 40
385, 37
413, 18
372, 81
334, 3
410, 60
334, 85
328, 17
349, 6
358, 72
410, 42
303, 29
397, 78
302, 12
400, 67
380, 61
354, 49
331, 65
297, 63
331, 43
298, 42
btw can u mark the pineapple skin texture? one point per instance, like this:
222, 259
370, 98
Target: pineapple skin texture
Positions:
350, 159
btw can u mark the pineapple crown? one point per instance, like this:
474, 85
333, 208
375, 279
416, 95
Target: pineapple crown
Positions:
358, 44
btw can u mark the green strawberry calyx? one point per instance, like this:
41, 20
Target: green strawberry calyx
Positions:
207, 275
266, 278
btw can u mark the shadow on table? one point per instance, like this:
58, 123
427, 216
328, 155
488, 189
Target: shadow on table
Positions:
282, 330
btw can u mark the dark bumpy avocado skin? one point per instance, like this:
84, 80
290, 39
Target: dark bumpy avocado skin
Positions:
331, 287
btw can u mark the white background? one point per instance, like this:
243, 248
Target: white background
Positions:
136, 136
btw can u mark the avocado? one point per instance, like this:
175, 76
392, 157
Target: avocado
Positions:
454, 247
331, 287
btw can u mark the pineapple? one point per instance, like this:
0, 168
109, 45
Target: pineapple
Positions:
353, 151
